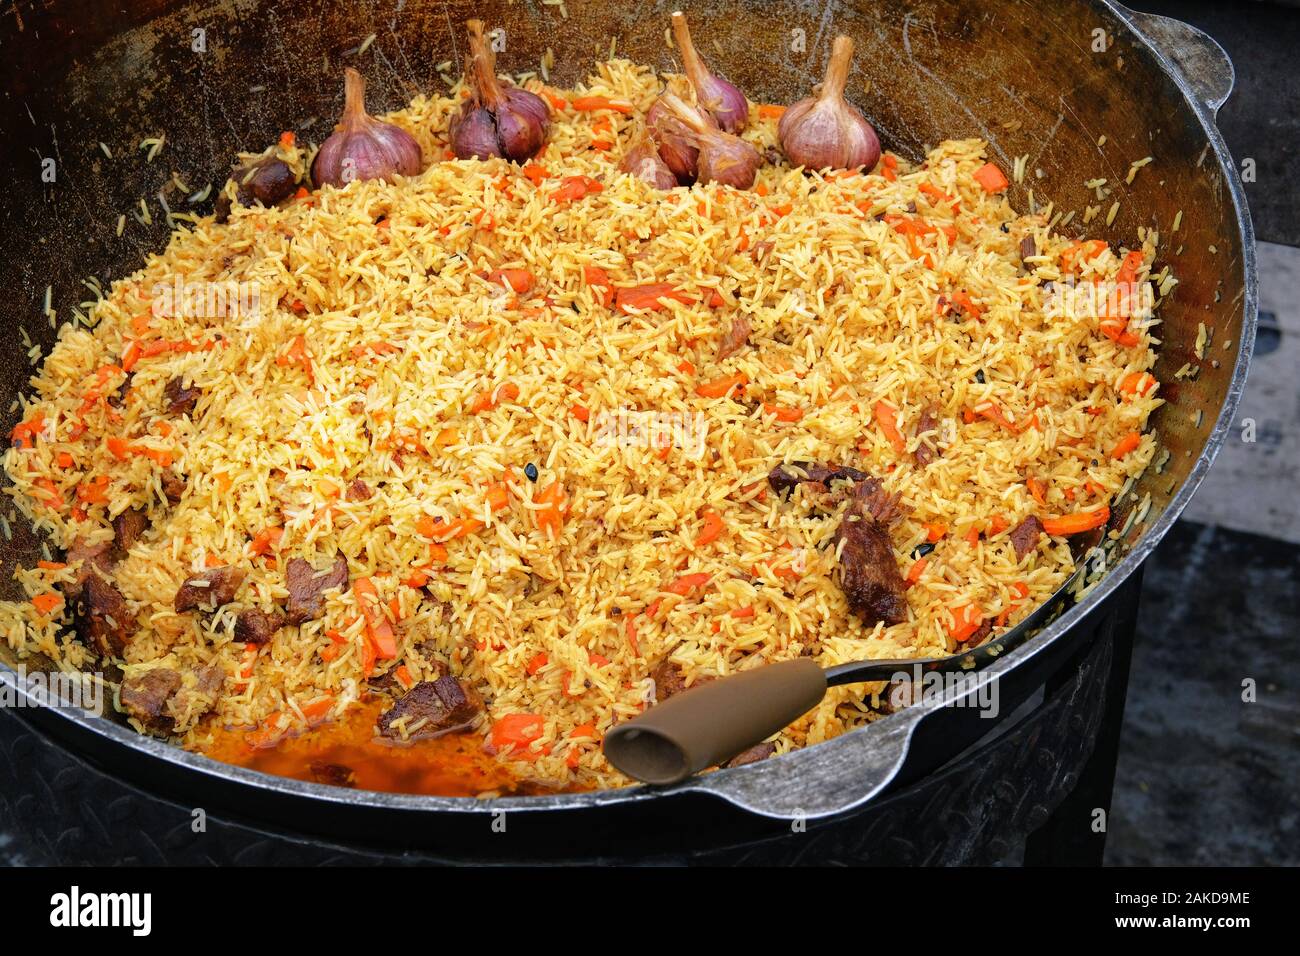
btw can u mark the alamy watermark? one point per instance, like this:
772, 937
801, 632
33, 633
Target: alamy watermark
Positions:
966, 690
206, 300
54, 689
1074, 299
660, 431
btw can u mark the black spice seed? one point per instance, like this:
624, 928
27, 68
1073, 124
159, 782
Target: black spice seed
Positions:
921, 550
979, 376
530, 471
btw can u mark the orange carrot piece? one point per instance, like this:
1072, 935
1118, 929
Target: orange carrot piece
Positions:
587, 104
966, 621
1075, 523
649, 297
991, 179
46, 603
711, 529
517, 731
721, 387
782, 412
1128, 443
915, 571
886, 416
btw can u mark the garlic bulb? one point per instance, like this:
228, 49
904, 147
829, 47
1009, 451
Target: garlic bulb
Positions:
824, 131
643, 161
497, 120
678, 152
362, 147
723, 158
715, 95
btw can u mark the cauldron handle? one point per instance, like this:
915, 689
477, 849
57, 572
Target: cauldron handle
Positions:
1197, 56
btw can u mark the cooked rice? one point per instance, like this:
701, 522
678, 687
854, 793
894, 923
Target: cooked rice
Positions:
844, 315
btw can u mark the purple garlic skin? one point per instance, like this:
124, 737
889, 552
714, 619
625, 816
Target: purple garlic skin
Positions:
721, 99
678, 153
362, 147
497, 120
824, 131
522, 124
474, 134
643, 161
723, 157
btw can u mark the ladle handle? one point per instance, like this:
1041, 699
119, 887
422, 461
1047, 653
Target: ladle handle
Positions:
713, 722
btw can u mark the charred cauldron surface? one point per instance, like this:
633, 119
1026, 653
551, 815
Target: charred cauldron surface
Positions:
1046, 82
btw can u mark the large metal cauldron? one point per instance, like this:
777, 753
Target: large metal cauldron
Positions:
77, 72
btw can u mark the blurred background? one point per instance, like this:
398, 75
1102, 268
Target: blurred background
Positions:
1204, 777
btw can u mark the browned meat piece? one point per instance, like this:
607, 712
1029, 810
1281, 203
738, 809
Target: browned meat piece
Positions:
128, 527
899, 694
761, 251
753, 755
359, 491
869, 573
173, 486
255, 626
735, 338
334, 774
145, 697
1024, 536
209, 680
979, 634
432, 708
194, 701
268, 181
925, 452
272, 183
102, 617
209, 589
92, 556
385, 683
1028, 248
669, 680
307, 587
783, 478
180, 398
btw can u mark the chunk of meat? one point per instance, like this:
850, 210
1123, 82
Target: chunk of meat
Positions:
761, 251
102, 616
358, 490
180, 398
899, 694
869, 573
334, 774
267, 181
173, 486
255, 626
145, 697
753, 755
925, 451
979, 634
93, 557
128, 527
209, 589
1024, 536
432, 708
1028, 248
735, 338
783, 478
669, 680
307, 587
